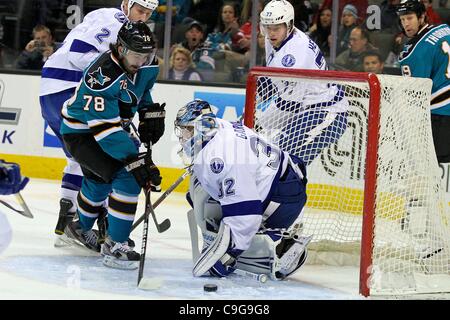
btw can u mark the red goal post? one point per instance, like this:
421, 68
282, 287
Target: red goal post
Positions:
379, 200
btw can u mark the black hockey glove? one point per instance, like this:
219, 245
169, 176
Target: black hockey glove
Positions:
151, 123
144, 171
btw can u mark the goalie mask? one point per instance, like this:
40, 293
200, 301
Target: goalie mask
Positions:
277, 12
195, 125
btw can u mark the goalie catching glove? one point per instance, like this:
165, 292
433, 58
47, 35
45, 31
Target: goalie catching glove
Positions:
145, 172
151, 123
11, 181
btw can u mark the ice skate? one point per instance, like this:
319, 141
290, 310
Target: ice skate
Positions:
119, 255
88, 239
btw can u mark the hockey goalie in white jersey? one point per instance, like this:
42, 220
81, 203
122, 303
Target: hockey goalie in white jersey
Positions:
246, 194
302, 117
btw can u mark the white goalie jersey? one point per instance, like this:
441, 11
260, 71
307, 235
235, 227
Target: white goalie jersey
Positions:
64, 68
238, 169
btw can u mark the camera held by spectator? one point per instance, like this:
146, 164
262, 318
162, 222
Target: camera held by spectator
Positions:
38, 50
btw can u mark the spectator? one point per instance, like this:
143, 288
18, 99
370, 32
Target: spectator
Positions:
321, 31
202, 55
352, 58
399, 42
181, 66
37, 50
360, 5
389, 18
223, 37
349, 20
194, 35
180, 10
372, 62
433, 16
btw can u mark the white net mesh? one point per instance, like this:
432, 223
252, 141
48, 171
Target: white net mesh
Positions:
411, 242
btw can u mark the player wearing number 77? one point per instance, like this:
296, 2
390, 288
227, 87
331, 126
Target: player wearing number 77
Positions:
311, 115
246, 195
94, 131
427, 55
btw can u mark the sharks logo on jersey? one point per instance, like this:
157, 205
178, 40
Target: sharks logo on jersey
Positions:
97, 77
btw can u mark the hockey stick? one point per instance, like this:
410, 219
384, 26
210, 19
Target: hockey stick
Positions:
164, 225
25, 212
148, 207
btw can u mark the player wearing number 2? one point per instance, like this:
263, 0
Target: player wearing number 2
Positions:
64, 69
312, 115
427, 55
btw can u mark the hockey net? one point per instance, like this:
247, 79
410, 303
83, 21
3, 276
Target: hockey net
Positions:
374, 194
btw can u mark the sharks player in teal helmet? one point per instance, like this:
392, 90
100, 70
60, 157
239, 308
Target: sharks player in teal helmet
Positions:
95, 130
427, 55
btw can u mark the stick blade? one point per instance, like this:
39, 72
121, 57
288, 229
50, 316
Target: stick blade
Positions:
150, 283
163, 226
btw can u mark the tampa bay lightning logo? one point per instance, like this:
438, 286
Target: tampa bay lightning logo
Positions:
288, 60
217, 165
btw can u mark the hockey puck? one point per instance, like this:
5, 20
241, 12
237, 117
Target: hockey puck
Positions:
210, 287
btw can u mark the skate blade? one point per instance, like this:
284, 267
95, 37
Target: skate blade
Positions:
115, 263
66, 241
62, 241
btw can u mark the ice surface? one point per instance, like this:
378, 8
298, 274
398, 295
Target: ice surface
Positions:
32, 268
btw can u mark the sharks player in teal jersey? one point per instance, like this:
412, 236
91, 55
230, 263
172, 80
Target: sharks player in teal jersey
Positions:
95, 131
427, 55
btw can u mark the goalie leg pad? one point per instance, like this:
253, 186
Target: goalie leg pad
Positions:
277, 253
214, 252
259, 257
292, 256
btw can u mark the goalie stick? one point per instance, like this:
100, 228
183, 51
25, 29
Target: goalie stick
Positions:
260, 277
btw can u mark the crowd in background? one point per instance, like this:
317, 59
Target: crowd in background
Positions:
211, 39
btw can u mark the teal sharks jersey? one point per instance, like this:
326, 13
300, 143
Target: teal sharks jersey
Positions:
105, 101
427, 55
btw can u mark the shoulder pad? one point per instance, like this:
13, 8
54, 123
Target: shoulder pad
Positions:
102, 73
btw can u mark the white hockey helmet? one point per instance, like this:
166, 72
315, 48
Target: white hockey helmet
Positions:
149, 4
277, 12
